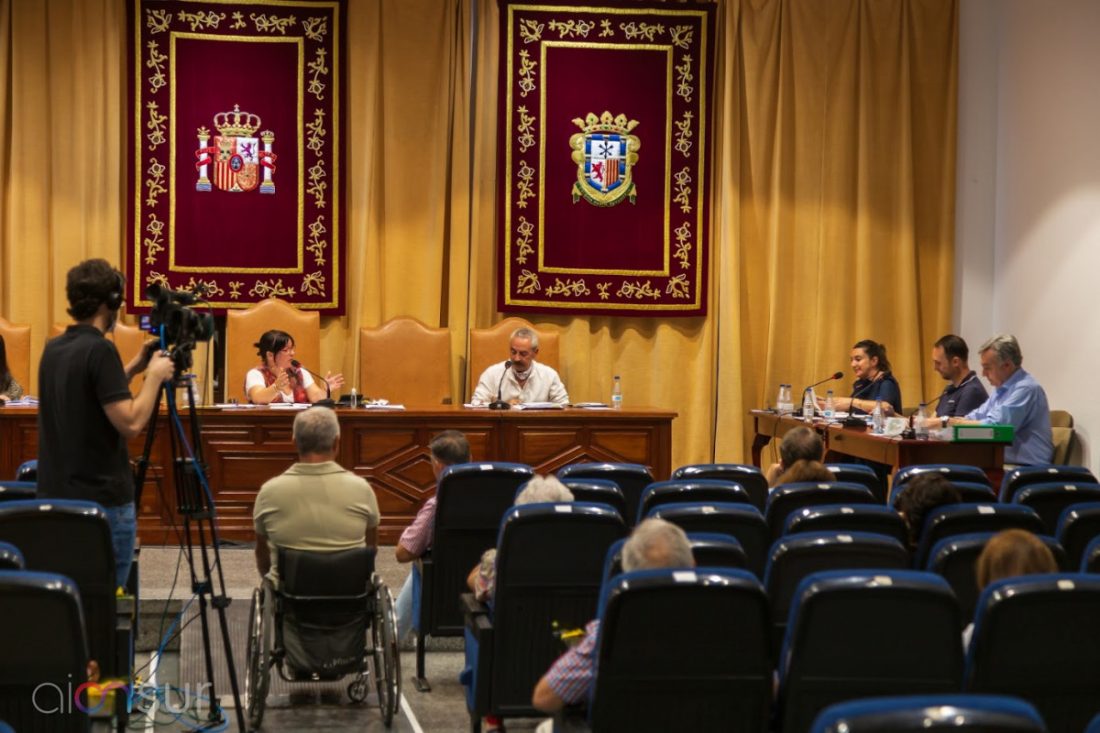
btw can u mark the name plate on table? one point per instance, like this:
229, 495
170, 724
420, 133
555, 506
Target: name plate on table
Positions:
984, 433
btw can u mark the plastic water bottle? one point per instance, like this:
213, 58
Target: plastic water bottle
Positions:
353, 398
807, 405
617, 394
920, 430
878, 419
830, 406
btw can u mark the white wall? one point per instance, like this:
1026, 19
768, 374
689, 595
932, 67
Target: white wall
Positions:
1028, 201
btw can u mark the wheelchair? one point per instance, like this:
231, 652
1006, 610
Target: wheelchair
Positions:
330, 617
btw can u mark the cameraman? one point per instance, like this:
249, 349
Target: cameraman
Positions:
86, 412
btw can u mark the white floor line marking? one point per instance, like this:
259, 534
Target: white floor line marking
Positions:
409, 714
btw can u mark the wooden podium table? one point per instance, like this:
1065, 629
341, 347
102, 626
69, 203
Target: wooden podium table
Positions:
245, 447
896, 452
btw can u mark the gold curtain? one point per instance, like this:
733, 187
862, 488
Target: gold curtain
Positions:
833, 190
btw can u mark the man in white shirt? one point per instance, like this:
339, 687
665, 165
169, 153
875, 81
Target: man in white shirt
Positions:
526, 380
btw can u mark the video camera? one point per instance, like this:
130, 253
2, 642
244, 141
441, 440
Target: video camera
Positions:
179, 325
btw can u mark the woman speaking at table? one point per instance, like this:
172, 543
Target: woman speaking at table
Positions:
874, 381
280, 378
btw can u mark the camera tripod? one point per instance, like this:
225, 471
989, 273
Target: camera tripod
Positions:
195, 503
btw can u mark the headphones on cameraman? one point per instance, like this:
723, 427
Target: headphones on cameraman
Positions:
115, 295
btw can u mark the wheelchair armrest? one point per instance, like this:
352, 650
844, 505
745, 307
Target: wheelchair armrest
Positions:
125, 611
479, 628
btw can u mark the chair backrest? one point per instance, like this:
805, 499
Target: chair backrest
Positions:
1063, 434
920, 713
1077, 527
17, 490
632, 479
323, 608
243, 328
678, 491
597, 491
1052, 664
973, 492
540, 580
470, 501
718, 621
876, 518
17, 343
750, 478
1049, 500
955, 519
72, 538
406, 362
1090, 560
490, 345
788, 498
27, 471
1022, 476
10, 557
45, 648
956, 558
950, 471
743, 522
857, 473
795, 557
867, 633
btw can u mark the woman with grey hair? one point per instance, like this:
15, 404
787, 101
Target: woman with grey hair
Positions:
539, 490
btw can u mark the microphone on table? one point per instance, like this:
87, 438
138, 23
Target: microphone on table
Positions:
831, 377
500, 404
327, 402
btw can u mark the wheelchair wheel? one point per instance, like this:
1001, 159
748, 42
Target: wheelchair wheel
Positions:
387, 660
357, 688
258, 673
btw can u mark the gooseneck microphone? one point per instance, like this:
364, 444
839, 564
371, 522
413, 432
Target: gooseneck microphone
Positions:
327, 402
499, 403
831, 377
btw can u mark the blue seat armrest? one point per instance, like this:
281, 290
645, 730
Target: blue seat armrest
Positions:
479, 626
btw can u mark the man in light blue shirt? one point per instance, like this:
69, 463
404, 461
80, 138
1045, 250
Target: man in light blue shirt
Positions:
1017, 400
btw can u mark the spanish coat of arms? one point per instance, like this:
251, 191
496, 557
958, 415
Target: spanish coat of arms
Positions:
236, 154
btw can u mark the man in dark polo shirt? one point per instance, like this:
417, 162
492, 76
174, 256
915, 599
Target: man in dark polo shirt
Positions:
964, 391
86, 412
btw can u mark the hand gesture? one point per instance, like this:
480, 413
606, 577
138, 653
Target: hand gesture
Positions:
335, 381
282, 380
161, 368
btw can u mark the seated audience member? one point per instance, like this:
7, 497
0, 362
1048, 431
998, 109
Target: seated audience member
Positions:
541, 489
964, 391
315, 504
805, 471
1009, 554
9, 388
1017, 400
800, 444
526, 380
277, 379
654, 543
447, 449
920, 496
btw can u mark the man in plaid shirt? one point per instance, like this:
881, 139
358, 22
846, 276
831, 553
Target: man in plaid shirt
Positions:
447, 449
654, 543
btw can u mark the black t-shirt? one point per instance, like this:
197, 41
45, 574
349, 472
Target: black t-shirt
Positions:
80, 454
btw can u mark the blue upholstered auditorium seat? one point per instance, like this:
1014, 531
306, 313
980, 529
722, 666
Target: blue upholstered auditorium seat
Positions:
750, 477
632, 479
915, 714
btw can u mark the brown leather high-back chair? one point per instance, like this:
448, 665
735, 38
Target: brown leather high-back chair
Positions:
405, 362
490, 345
17, 342
1061, 428
243, 328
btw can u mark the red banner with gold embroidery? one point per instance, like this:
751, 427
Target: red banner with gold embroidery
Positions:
235, 139
604, 158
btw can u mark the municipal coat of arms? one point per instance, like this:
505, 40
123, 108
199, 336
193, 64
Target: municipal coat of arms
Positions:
605, 152
236, 155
